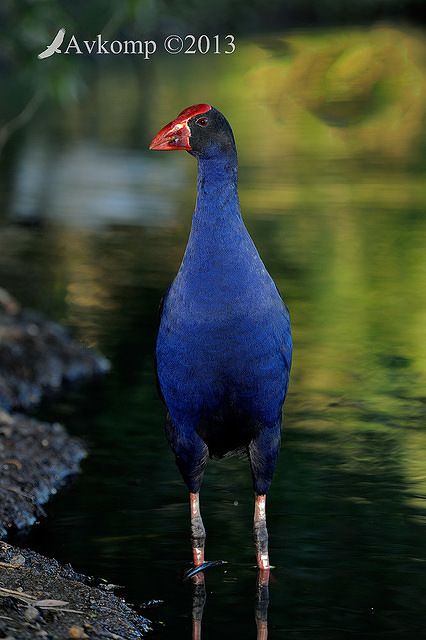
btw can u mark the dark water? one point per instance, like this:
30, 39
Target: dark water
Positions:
337, 213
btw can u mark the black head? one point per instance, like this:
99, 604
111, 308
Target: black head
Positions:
210, 132
202, 130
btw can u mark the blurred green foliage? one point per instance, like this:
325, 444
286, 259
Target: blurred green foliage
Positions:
26, 26
369, 82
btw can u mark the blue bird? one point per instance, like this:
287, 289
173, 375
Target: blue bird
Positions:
224, 345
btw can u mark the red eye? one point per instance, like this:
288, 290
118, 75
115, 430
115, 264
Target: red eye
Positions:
202, 122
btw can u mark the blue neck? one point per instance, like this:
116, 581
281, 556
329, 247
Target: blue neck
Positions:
217, 192
219, 248
221, 271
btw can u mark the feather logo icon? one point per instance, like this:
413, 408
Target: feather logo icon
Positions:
54, 47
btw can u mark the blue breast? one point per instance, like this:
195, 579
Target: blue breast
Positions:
224, 344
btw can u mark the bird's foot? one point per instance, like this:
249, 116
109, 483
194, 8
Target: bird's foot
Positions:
195, 571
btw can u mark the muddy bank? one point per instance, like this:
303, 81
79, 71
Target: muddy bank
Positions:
35, 460
39, 358
40, 599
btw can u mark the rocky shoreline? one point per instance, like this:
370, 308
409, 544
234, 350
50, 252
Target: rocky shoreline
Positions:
39, 598
36, 458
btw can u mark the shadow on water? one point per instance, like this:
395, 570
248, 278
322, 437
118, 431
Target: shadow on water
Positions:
353, 551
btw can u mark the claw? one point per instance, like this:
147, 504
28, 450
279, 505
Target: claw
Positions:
206, 565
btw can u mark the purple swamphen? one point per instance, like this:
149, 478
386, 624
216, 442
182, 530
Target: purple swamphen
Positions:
224, 345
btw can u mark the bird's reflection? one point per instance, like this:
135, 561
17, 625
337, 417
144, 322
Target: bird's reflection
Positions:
198, 601
261, 604
260, 609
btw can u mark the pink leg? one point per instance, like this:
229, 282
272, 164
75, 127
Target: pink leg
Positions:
198, 534
260, 535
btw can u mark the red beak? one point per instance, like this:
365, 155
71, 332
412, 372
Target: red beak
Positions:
175, 135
